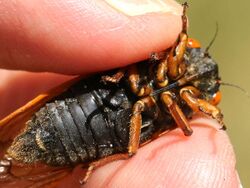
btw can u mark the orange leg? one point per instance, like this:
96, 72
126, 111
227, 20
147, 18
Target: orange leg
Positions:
134, 136
161, 75
136, 123
176, 113
176, 65
134, 82
157, 56
114, 78
133, 79
161, 72
191, 94
102, 162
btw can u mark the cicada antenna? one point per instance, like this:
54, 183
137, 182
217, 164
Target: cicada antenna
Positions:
235, 86
212, 41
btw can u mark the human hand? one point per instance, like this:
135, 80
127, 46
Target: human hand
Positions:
82, 37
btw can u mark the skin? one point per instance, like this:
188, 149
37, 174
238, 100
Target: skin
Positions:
75, 38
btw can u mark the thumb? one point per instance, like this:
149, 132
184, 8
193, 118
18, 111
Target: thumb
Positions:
79, 37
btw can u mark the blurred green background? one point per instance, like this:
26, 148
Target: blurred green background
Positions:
231, 50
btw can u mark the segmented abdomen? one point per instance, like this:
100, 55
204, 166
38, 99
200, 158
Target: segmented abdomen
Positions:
76, 127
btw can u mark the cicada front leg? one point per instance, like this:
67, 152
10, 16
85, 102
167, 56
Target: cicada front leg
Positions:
114, 78
191, 96
134, 82
171, 64
175, 58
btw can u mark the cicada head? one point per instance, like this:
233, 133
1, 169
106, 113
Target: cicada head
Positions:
205, 69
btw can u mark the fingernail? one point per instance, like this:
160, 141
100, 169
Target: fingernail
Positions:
140, 7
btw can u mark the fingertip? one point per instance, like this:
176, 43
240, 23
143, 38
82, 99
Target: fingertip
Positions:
134, 7
75, 37
205, 159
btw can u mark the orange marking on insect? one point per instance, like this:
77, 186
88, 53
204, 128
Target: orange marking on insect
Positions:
216, 98
193, 43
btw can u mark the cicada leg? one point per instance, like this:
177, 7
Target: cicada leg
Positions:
133, 79
136, 123
175, 59
114, 78
162, 67
172, 62
190, 95
176, 113
161, 74
134, 136
134, 82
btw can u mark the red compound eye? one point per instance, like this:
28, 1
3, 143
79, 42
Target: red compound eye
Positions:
192, 43
216, 98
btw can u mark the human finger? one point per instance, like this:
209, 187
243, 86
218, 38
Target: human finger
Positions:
205, 159
79, 37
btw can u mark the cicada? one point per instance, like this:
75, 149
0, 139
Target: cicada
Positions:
107, 116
